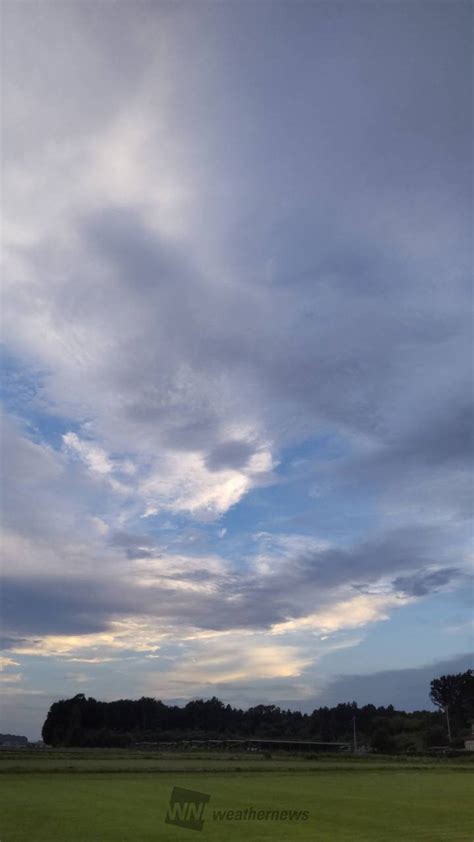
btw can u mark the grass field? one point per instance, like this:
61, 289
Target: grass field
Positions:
110, 796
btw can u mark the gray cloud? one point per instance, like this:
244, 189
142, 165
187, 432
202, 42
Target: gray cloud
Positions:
298, 586
229, 454
135, 546
405, 689
216, 260
421, 584
56, 607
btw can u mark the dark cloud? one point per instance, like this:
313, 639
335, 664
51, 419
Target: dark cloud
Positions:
447, 438
38, 607
299, 585
139, 553
421, 584
134, 546
405, 689
306, 583
229, 454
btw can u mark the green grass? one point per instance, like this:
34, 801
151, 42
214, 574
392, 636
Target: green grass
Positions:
369, 800
125, 760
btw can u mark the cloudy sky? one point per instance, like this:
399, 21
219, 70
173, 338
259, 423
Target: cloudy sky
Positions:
236, 318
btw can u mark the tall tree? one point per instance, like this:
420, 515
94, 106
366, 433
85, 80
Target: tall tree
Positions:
455, 695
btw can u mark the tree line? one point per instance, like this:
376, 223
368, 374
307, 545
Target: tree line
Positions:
82, 721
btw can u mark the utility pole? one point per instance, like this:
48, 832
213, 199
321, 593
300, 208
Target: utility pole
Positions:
449, 724
355, 733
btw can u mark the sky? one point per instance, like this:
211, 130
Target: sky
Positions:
237, 352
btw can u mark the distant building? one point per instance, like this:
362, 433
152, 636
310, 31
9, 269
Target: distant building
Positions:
469, 742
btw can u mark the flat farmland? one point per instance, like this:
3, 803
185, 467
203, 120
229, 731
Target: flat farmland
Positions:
110, 796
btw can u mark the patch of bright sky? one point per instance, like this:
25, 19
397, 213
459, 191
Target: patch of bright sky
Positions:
432, 625
22, 395
294, 502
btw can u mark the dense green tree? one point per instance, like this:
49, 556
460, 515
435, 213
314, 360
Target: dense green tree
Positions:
82, 721
455, 695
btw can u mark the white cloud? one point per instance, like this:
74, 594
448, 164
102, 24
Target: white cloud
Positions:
183, 484
94, 457
357, 612
7, 662
11, 678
